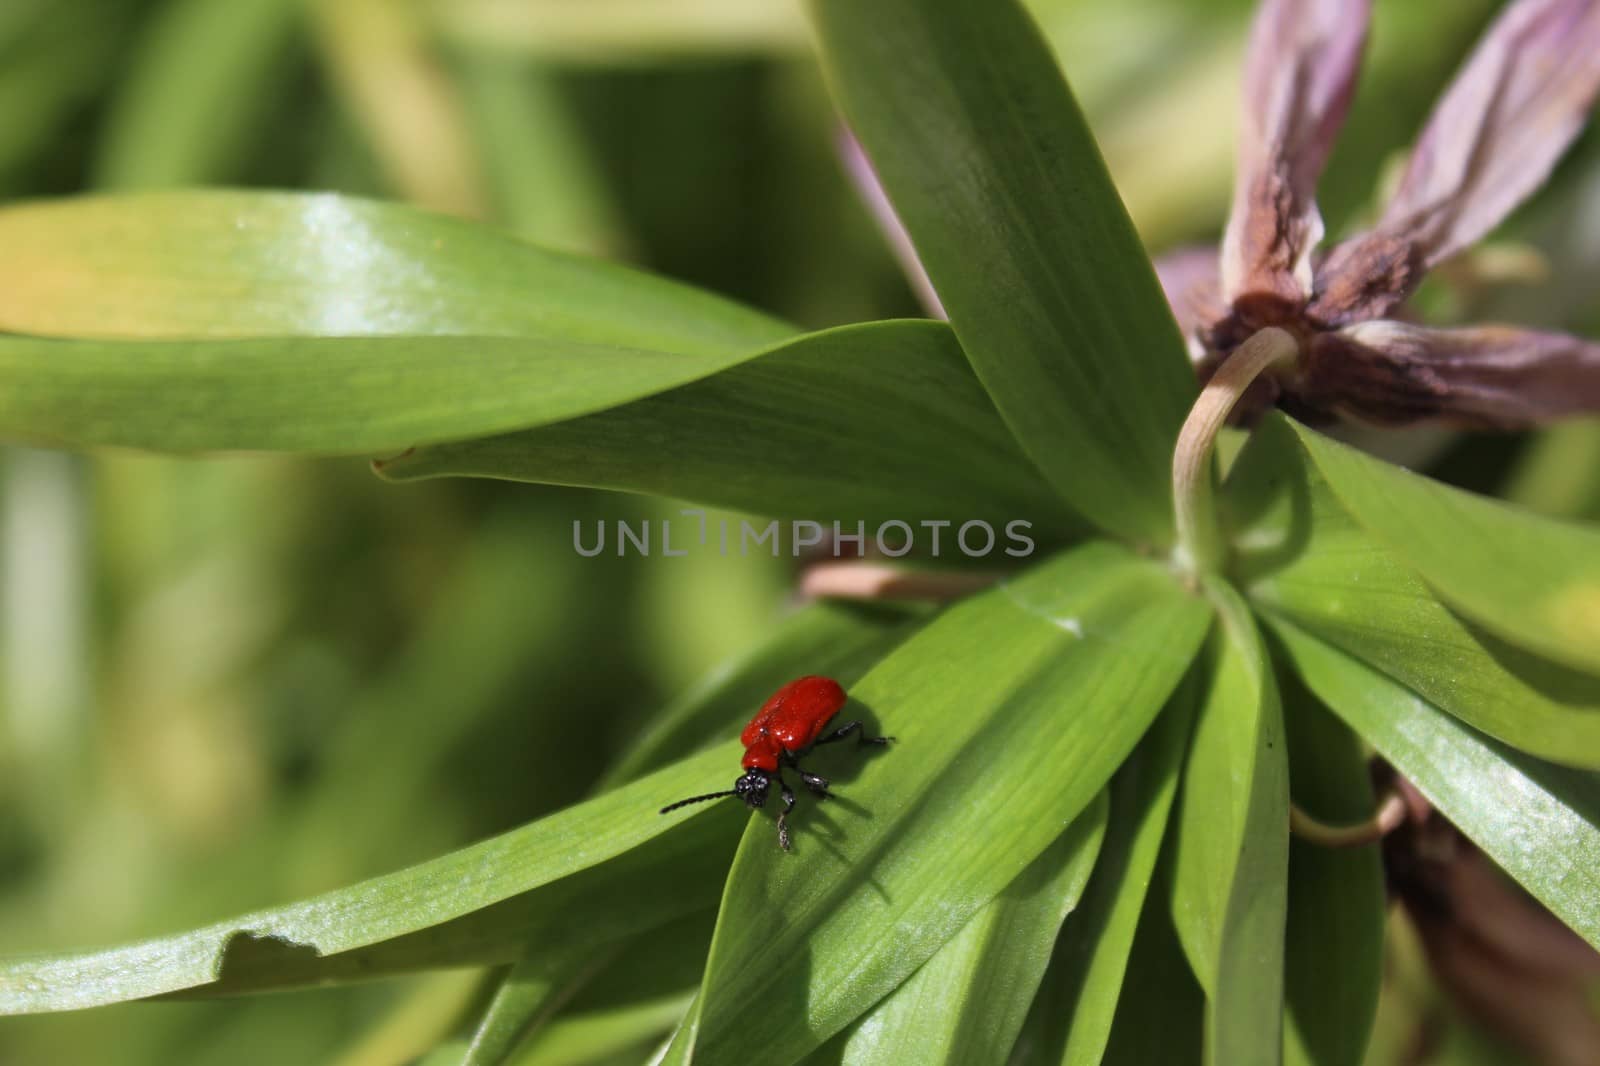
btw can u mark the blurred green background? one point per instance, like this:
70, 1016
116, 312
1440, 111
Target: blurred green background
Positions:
233, 681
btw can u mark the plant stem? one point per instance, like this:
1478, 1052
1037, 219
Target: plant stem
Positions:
1199, 548
1385, 820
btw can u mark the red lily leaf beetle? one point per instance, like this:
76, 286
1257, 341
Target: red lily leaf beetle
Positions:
786, 727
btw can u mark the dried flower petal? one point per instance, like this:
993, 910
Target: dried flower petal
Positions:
1304, 55
1492, 140
1189, 278
1494, 377
856, 580
865, 179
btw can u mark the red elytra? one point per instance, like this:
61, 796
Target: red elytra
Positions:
790, 721
793, 721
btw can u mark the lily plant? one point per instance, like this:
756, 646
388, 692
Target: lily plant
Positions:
1080, 850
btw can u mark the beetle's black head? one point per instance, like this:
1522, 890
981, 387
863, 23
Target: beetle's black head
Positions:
752, 788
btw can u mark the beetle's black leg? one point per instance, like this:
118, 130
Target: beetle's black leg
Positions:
783, 815
815, 783
852, 727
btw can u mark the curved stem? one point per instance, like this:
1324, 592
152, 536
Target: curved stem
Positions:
1199, 542
1385, 820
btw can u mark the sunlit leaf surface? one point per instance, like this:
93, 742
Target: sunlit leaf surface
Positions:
247, 264
1532, 581
1302, 556
1540, 822
1077, 657
401, 918
967, 1003
996, 176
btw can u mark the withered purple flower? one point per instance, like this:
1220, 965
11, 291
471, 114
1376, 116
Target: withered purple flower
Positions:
1491, 141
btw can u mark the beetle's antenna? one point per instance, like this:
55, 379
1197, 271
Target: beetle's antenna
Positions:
697, 799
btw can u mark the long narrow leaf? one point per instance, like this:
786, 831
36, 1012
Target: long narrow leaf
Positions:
1532, 581
1070, 1022
530, 992
1231, 852
249, 264
1305, 558
875, 423
1050, 678
203, 77
589, 983
968, 1002
1164, 1022
993, 170
603, 1036
840, 641
1334, 958
322, 395
396, 921
1540, 822
547, 185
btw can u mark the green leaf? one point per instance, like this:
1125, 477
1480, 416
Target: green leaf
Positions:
1540, 822
1231, 852
1162, 1021
1303, 557
1558, 473
679, 1048
587, 983
472, 906
838, 640
321, 395
203, 77
585, 1038
531, 991
1532, 581
598, 909
1334, 960
248, 264
1050, 677
968, 1002
664, 962
414, 1022
547, 184
1070, 1022
54, 55
993, 170
867, 423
